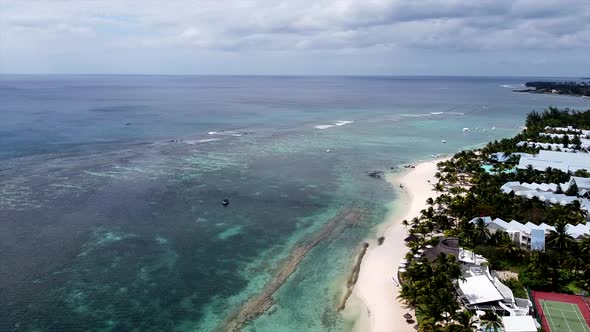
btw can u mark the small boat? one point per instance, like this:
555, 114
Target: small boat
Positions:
225, 202
443, 141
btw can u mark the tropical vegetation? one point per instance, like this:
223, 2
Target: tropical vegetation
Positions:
467, 191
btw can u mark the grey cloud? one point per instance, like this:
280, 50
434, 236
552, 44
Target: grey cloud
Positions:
238, 27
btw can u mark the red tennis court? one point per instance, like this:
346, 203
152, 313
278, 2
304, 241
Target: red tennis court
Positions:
554, 318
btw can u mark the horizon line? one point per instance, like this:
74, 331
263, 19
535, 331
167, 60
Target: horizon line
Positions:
582, 77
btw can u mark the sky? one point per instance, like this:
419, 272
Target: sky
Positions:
296, 37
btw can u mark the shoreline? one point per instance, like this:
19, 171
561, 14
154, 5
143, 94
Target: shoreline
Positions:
375, 290
550, 93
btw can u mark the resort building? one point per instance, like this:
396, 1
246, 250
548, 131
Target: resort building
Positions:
481, 290
547, 146
524, 234
583, 185
500, 157
546, 192
567, 162
450, 246
570, 129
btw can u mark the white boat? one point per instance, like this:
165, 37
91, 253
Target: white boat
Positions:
443, 141
465, 130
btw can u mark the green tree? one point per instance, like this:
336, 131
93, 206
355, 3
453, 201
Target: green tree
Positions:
491, 322
405, 223
573, 189
463, 322
559, 238
565, 140
575, 260
481, 233
577, 142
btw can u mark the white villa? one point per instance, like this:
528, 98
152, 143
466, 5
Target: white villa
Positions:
522, 233
570, 129
547, 146
565, 161
545, 192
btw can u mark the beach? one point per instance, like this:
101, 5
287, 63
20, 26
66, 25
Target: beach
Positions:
375, 288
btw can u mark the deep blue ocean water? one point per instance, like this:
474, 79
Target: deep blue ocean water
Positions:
111, 188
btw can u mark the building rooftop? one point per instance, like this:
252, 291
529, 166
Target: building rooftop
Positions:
576, 231
545, 192
565, 161
500, 156
479, 289
519, 324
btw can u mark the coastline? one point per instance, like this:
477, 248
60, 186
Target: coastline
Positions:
375, 290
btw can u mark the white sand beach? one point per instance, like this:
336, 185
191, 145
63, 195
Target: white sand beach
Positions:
375, 287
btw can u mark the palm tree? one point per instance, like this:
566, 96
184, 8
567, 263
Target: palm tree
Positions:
481, 233
409, 293
491, 322
530, 171
464, 322
584, 245
446, 300
430, 325
559, 238
575, 260
439, 187
500, 238
466, 232
510, 249
405, 223
431, 311
573, 189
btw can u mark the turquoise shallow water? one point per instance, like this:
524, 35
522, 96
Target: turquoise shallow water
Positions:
111, 189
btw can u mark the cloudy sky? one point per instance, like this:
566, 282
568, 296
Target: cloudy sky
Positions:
348, 37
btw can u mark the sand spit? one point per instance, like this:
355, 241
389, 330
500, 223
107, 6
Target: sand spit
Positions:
260, 303
354, 276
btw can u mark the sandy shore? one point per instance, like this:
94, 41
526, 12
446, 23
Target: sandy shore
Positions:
384, 313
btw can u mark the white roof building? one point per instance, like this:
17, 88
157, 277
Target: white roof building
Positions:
479, 290
571, 129
521, 233
545, 192
567, 162
500, 156
584, 142
469, 257
547, 146
519, 324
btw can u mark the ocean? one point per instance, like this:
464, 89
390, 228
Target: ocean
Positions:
111, 189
